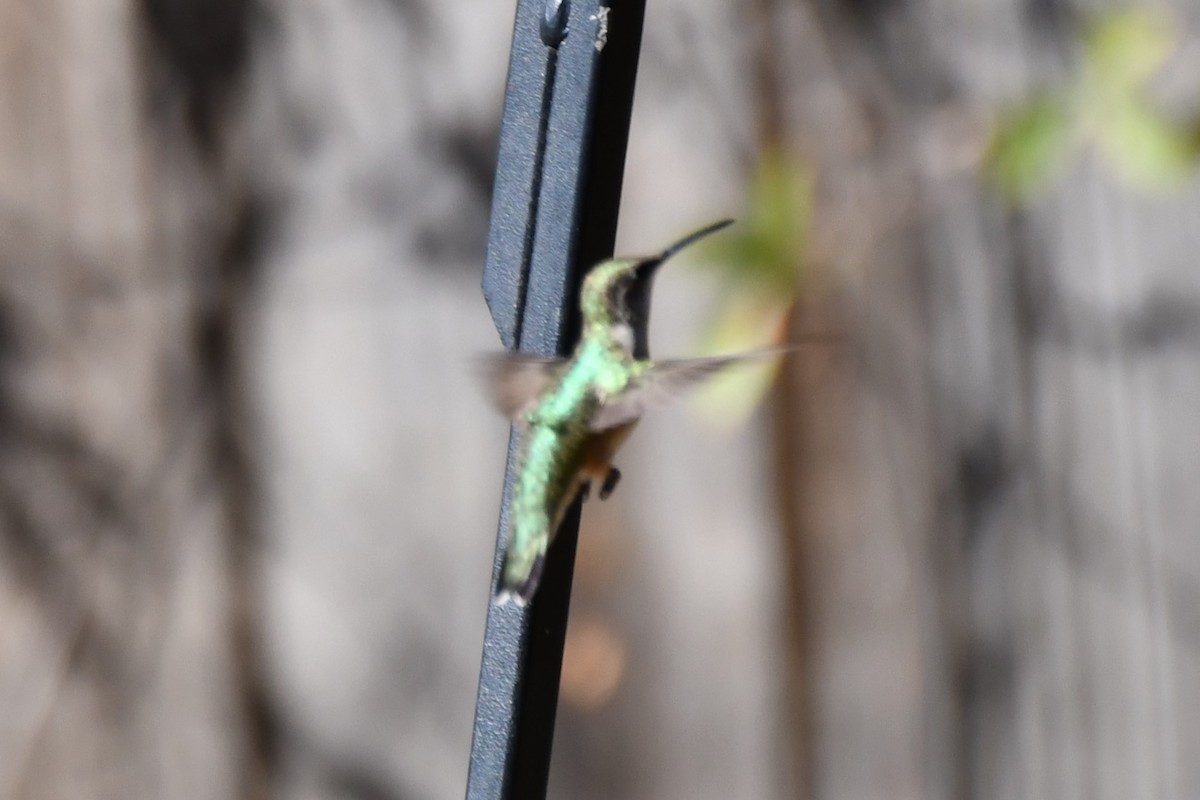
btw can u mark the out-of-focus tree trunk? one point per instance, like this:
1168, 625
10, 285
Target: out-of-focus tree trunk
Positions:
120, 668
1003, 564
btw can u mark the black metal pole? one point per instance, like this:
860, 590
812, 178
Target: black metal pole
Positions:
554, 210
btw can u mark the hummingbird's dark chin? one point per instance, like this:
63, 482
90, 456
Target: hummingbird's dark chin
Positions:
645, 269
637, 313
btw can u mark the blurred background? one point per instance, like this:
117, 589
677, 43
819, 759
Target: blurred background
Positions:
249, 485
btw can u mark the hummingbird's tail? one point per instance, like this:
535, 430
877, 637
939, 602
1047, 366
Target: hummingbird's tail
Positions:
520, 592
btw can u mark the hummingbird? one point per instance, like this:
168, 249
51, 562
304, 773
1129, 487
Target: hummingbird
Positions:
573, 414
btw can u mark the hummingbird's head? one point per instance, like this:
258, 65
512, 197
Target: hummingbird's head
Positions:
616, 293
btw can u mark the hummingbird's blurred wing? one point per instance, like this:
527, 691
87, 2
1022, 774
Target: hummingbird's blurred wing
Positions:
663, 381
515, 381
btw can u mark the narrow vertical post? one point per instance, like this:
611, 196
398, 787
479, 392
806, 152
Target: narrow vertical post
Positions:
554, 211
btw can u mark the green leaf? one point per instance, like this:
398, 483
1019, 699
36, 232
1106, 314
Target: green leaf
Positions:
767, 248
759, 263
746, 321
1144, 146
1123, 49
1106, 104
1030, 146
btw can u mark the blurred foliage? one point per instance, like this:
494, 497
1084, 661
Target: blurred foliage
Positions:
765, 251
1031, 146
759, 265
1105, 105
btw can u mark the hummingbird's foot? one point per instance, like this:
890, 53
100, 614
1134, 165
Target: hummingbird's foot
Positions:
585, 490
610, 482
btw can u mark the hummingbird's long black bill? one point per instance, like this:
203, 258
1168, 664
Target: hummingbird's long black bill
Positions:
650, 265
694, 237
